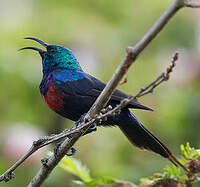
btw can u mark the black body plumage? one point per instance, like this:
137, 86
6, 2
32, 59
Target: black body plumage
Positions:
70, 92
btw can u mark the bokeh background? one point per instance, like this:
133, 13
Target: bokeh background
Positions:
98, 32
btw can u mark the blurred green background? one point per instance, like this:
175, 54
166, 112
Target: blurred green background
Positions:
98, 32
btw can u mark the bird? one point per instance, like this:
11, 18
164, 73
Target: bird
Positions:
70, 92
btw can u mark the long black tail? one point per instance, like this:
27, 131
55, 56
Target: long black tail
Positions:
139, 136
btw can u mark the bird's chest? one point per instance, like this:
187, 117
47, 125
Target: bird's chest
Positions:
61, 94
53, 98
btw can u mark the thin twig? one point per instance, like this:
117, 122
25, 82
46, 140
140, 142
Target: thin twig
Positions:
8, 175
144, 91
191, 4
163, 77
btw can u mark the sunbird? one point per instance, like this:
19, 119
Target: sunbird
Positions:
70, 92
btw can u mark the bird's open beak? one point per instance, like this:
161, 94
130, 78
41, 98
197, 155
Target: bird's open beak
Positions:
42, 52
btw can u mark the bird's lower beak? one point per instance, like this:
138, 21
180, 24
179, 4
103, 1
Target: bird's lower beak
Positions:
41, 52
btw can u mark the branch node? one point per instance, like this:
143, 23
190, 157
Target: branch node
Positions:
109, 107
142, 89
129, 50
8, 176
131, 56
44, 162
190, 4
38, 142
103, 111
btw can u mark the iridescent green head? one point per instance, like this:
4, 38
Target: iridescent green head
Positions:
55, 57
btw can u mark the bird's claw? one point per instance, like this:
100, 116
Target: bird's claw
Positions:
91, 129
56, 148
73, 150
80, 120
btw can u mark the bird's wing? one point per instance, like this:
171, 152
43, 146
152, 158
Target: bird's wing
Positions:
90, 86
116, 96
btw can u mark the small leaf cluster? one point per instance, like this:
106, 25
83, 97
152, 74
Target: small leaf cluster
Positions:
171, 176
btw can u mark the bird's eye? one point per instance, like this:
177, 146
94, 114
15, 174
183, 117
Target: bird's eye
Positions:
52, 50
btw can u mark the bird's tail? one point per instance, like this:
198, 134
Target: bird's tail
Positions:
139, 136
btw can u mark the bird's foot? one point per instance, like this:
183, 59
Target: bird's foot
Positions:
80, 120
91, 129
73, 150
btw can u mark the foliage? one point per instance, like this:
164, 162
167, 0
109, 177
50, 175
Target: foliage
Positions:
189, 152
174, 173
76, 168
171, 176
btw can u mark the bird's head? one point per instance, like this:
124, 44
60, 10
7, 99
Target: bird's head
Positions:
55, 57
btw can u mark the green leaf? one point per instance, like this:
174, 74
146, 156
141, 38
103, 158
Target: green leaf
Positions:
189, 152
98, 181
75, 167
78, 182
183, 151
172, 172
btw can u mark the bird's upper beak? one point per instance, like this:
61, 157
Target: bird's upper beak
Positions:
41, 52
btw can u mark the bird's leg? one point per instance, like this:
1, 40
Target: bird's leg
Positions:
73, 150
80, 120
91, 129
